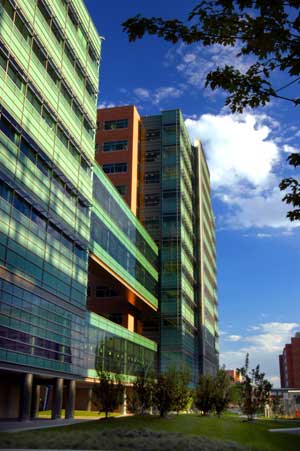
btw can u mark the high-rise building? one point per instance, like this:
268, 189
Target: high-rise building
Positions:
52, 243
289, 364
174, 204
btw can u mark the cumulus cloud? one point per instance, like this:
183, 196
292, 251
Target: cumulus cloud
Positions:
105, 104
142, 93
264, 343
158, 95
242, 155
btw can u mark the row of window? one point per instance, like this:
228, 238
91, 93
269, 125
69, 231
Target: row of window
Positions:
34, 215
119, 252
81, 34
57, 318
118, 215
152, 177
115, 124
17, 76
102, 292
15, 340
115, 168
151, 200
112, 146
152, 156
38, 49
27, 149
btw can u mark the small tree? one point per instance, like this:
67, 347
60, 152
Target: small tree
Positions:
255, 392
222, 391
164, 393
204, 394
143, 392
107, 394
182, 392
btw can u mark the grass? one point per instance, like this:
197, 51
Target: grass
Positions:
77, 414
142, 432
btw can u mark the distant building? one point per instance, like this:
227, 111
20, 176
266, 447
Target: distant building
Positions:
289, 363
234, 375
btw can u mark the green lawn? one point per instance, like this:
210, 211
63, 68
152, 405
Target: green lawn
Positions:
229, 428
77, 414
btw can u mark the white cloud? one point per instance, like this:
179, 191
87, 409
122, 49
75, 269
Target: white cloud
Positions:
194, 62
290, 149
264, 209
264, 343
158, 95
233, 338
242, 155
237, 148
105, 104
142, 93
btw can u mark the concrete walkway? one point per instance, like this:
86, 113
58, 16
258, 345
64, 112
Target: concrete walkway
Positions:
286, 430
40, 423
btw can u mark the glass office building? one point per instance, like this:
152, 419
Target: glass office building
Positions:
49, 336
174, 205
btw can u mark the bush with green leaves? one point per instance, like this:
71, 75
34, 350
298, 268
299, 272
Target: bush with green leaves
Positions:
107, 393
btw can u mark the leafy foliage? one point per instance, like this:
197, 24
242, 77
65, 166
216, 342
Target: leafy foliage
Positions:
163, 393
222, 391
143, 392
255, 391
265, 30
107, 394
204, 394
182, 392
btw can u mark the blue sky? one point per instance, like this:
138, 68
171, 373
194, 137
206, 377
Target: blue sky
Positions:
258, 249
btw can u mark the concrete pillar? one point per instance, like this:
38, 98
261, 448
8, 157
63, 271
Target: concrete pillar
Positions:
89, 404
70, 400
25, 398
57, 398
35, 405
124, 404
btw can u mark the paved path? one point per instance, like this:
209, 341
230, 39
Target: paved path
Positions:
286, 430
40, 423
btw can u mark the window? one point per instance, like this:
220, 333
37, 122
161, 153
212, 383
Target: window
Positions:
16, 78
35, 102
39, 54
152, 134
8, 129
122, 189
152, 155
27, 150
105, 292
169, 194
152, 177
115, 145
114, 168
119, 123
21, 205
151, 200
3, 61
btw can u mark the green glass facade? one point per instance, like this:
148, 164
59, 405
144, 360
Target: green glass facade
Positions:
172, 198
206, 267
49, 62
120, 241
